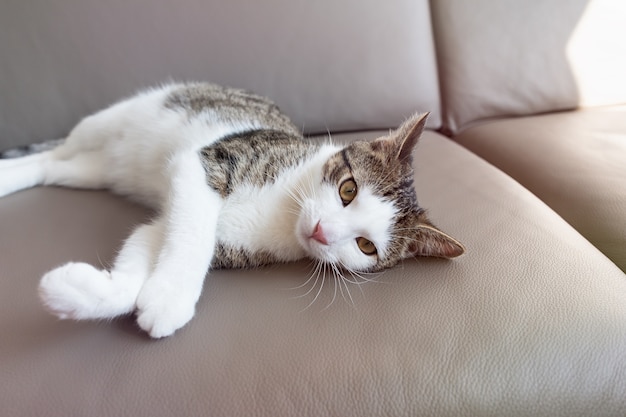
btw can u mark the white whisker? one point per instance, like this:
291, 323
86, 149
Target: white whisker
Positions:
315, 273
334, 294
306, 282
347, 290
318, 292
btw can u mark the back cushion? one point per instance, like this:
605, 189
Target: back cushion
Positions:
511, 57
330, 65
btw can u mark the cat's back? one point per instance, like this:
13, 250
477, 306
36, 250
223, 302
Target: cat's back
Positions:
258, 142
179, 115
137, 139
214, 104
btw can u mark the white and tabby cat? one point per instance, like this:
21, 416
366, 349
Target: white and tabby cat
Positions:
235, 185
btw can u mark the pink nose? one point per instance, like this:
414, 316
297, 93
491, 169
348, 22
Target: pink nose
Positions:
318, 234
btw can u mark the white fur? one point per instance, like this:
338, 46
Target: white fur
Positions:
143, 150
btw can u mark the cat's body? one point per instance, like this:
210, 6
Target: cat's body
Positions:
234, 185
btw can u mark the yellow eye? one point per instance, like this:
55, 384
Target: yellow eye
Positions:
347, 191
366, 246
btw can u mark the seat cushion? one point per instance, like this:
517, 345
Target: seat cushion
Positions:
574, 161
531, 321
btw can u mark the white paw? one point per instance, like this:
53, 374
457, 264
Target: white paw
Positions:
74, 290
161, 309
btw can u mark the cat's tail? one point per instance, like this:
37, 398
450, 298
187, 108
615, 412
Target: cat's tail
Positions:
33, 148
25, 167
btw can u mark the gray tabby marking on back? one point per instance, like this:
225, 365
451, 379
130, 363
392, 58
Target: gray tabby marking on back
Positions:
229, 105
254, 157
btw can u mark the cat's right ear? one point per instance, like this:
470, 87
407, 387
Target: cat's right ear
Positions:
401, 142
408, 134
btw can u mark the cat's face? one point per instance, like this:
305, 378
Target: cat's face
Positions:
363, 215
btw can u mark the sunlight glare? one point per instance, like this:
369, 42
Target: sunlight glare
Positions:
597, 53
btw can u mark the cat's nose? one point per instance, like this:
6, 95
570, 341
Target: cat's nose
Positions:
318, 234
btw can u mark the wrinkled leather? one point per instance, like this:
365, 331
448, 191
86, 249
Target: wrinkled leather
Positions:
574, 161
531, 321
506, 58
329, 65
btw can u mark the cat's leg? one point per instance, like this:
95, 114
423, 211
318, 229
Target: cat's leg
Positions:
167, 300
80, 291
61, 166
21, 173
80, 161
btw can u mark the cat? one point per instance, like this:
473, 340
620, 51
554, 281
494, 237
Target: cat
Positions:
235, 185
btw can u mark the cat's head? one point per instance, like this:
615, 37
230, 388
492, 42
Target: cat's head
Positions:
363, 215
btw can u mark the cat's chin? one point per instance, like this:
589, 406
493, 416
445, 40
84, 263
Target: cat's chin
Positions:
310, 246
318, 251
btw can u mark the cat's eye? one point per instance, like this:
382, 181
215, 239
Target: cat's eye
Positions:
347, 191
366, 246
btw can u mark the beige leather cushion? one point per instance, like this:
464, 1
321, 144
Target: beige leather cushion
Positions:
510, 57
332, 65
574, 161
532, 321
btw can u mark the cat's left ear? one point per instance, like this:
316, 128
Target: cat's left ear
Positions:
408, 134
430, 241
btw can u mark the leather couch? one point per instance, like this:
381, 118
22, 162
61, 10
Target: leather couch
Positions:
524, 162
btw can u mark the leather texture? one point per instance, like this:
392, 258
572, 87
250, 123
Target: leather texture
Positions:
573, 161
330, 65
531, 321
508, 58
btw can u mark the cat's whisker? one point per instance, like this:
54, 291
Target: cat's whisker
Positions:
342, 281
319, 291
365, 280
359, 275
305, 282
316, 273
295, 195
338, 277
405, 229
341, 289
334, 294
354, 281
311, 189
351, 271
296, 192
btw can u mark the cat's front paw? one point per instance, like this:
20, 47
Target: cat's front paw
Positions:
161, 310
73, 291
